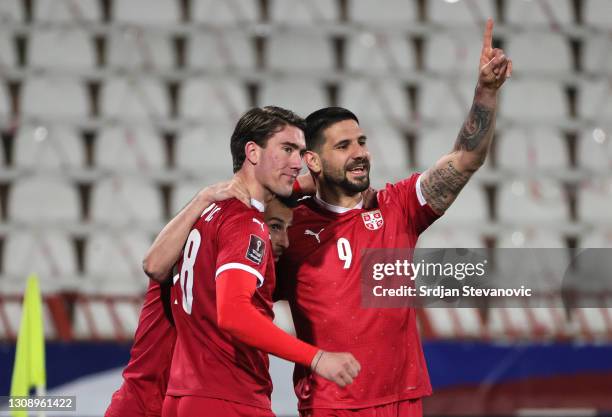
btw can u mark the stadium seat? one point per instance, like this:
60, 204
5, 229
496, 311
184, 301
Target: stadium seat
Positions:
595, 200
469, 207
76, 52
213, 100
298, 95
461, 12
206, 151
454, 52
595, 100
42, 95
446, 101
225, 12
523, 149
140, 12
48, 254
595, 150
7, 52
120, 202
66, 10
133, 50
132, 150
303, 11
434, 143
55, 147
597, 238
375, 101
597, 58
5, 108
11, 11
530, 237
394, 11
389, 151
40, 200
299, 52
134, 98
535, 203
597, 13
546, 103
440, 235
532, 13
125, 249
380, 52
221, 51
539, 52
13, 311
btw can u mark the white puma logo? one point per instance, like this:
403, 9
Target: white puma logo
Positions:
259, 223
309, 232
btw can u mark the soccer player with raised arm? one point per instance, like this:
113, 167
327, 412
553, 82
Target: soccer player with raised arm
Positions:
320, 272
222, 297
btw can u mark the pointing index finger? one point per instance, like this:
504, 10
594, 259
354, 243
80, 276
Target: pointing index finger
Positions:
487, 40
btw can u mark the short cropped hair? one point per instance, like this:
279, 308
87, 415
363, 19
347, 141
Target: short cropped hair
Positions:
258, 125
320, 120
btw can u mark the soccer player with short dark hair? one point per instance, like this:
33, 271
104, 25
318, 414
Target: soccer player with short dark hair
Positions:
320, 272
222, 298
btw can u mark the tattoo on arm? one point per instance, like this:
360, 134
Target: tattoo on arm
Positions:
440, 186
475, 128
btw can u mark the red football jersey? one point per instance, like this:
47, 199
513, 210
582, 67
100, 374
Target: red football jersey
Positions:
207, 361
146, 375
320, 276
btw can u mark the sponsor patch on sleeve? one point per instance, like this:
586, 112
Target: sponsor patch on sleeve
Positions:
257, 249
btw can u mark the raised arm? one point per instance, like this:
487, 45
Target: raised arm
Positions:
442, 183
167, 246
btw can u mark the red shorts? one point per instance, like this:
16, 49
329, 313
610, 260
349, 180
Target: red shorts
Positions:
191, 406
406, 408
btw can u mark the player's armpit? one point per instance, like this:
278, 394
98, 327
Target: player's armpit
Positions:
237, 316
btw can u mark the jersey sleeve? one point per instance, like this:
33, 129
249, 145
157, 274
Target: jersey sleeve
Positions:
243, 240
417, 212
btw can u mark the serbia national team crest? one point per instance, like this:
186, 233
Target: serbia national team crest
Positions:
373, 220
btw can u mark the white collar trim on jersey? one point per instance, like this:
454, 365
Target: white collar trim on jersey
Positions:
337, 209
256, 204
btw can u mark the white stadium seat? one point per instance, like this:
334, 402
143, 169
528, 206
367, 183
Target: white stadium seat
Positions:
54, 98
11, 11
531, 13
134, 98
525, 148
546, 101
530, 237
595, 100
375, 101
132, 50
206, 151
533, 203
141, 12
117, 256
597, 56
130, 149
40, 200
221, 51
595, 201
597, 238
393, 11
597, 13
454, 52
48, 254
460, 12
7, 51
297, 95
77, 51
439, 235
433, 143
446, 100
380, 52
225, 12
300, 52
66, 10
303, 11
213, 100
595, 150
125, 202
539, 52
5, 107
469, 207
53, 147
388, 150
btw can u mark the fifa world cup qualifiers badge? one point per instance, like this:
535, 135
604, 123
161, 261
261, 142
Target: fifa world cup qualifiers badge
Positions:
257, 249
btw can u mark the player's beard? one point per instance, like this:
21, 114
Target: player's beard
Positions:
339, 177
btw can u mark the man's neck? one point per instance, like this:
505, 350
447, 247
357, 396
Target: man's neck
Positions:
256, 190
337, 197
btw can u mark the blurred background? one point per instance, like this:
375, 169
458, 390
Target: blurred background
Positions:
114, 113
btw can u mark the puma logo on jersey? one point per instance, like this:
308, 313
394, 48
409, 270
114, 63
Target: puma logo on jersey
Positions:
259, 223
309, 232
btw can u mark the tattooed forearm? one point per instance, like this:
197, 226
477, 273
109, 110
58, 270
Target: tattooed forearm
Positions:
477, 126
441, 185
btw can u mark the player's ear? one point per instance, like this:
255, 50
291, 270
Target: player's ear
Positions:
252, 152
313, 162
